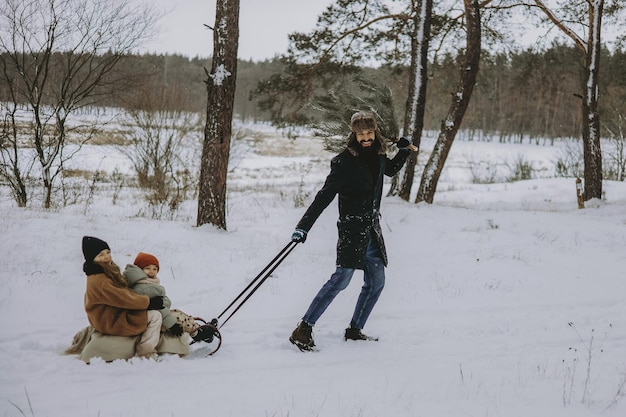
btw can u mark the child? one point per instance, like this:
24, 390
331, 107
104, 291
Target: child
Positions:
142, 278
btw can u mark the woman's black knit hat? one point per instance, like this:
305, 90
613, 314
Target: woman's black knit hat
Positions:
92, 246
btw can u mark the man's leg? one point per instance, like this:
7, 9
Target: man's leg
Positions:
302, 336
338, 281
373, 284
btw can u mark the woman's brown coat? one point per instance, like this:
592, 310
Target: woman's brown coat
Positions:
114, 310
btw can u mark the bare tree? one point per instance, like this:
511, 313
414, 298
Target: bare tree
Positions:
460, 101
416, 101
54, 57
12, 169
221, 85
157, 146
591, 48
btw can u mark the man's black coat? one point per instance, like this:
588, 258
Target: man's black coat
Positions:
359, 201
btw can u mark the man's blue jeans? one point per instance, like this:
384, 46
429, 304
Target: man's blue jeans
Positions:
374, 281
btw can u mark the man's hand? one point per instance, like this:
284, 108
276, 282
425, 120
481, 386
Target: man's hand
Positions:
298, 236
405, 143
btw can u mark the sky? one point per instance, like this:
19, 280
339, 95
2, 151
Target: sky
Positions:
501, 299
263, 25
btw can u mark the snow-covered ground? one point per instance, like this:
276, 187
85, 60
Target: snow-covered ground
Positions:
501, 299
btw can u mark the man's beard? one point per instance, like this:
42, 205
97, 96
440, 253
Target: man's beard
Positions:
369, 150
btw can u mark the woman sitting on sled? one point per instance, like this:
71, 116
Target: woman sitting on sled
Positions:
122, 322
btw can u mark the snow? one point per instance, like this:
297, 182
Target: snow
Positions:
221, 73
502, 299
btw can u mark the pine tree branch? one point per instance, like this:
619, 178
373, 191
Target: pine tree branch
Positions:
563, 27
401, 16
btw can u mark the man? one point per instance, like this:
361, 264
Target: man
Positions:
356, 175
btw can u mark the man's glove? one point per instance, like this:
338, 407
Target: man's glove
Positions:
156, 303
298, 236
175, 330
405, 144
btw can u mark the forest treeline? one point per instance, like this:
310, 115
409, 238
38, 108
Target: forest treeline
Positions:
521, 94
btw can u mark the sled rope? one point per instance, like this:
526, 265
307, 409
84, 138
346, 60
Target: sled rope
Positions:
261, 277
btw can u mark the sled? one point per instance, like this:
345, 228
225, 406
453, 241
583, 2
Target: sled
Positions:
216, 341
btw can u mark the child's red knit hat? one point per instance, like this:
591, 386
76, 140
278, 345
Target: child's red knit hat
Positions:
144, 259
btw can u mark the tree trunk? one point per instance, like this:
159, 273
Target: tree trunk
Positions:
217, 132
460, 101
416, 102
592, 153
591, 118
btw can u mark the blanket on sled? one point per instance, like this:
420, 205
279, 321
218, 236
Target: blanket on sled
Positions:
88, 344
